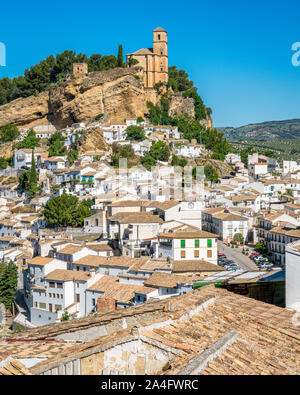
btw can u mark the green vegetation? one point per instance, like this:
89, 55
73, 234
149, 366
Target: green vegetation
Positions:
261, 248
122, 151
65, 316
132, 62
135, 133
65, 210
30, 141
159, 151
56, 146
147, 161
178, 161
99, 117
211, 174
9, 132
33, 177
8, 283
49, 71
120, 62
72, 157
28, 180
3, 163
179, 82
238, 237
266, 131
279, 149
140, 120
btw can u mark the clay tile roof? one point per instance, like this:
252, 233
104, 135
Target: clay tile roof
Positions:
70, 249
167, 280
90, 260
67, 275
194, 266
99, 247
189, 234
143, 51
229, 217
165, 205
11, 366
123, 293
159, 29
135, 218
39, 261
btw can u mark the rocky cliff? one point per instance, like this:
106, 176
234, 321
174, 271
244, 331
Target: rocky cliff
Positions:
119, 94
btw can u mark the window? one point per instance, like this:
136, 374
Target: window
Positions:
35, 304
77, 298
182, 254
209, 243
42, 305
158, 37
209, 253
58, 307
51, 284
196, 254
94, 302
182, 243
197, 244
59, 285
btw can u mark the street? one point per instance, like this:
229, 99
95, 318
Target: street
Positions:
236, 255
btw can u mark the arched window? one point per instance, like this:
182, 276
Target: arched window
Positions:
158, 37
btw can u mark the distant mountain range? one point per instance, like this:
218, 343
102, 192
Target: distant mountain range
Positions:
274, 130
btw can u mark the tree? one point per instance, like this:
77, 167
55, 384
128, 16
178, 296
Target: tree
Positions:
24, 181
238, 237
148, 161
72, 157
30, 141
3, 163
140, 120
8, 284
261, 248
178, 161
9, 132
56, 146
120, 62
65, 316
121, 151
211, 174
135, 133
159, 151
65, 210
33, 187
132, 62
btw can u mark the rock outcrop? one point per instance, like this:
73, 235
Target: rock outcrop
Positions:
119, 94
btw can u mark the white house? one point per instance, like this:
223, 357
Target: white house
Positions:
292, 270
189, 150
22, 157
187, 245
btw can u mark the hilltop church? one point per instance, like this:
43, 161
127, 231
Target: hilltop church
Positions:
153, 60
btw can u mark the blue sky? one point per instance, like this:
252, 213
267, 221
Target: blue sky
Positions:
238, 52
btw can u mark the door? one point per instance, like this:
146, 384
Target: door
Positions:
50, 307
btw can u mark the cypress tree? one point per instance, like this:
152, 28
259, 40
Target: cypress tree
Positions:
33, 178
8, 285
120, 62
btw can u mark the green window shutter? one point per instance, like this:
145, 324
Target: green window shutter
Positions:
196, 243
209, 243
182, 243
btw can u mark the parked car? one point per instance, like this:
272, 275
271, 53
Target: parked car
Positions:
254, 255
